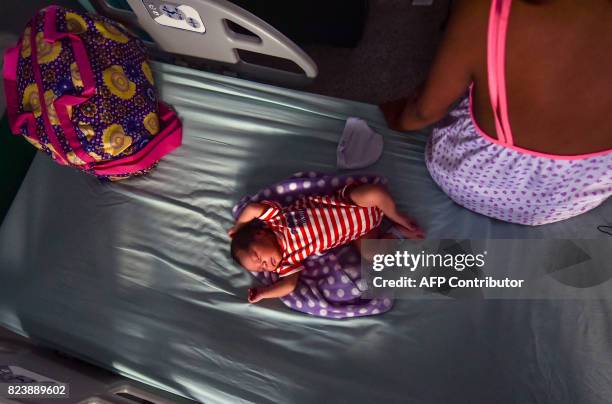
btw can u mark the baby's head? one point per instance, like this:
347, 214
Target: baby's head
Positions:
256, 248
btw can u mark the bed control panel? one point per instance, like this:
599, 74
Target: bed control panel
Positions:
175, 15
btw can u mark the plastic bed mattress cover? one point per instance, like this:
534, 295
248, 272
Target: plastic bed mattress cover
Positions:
136, 277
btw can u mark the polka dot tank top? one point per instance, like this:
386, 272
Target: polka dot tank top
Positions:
497, 179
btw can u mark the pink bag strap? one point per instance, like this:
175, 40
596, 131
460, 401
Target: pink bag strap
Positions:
9, 74
163, 143
63, 103
49, 130
496, 67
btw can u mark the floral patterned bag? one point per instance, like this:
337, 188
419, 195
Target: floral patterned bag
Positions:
80, 88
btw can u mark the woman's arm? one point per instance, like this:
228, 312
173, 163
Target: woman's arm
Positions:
279, 289
458, 56
250, 212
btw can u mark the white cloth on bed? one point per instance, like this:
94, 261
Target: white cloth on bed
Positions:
359, 145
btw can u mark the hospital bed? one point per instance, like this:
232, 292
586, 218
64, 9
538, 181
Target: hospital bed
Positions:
135, 276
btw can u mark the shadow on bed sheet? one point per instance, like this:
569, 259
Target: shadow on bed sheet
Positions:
72, 293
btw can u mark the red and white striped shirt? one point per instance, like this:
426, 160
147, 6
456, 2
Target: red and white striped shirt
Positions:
315, 224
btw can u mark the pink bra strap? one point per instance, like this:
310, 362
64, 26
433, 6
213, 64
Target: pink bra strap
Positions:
496, 67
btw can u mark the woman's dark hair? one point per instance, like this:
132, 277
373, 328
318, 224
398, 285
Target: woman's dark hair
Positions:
244, 237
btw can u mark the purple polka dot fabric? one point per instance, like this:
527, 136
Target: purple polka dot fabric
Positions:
330, 284
509, 185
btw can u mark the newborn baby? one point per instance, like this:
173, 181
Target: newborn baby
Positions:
268, 237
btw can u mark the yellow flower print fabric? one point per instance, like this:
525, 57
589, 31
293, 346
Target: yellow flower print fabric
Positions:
26, 49
46, 51
31, 101
151, 123
146, 69
118, 83
111, 32
75, 75
75, 23
117, 117
115, 139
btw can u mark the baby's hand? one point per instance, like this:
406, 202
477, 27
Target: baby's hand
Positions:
254, 295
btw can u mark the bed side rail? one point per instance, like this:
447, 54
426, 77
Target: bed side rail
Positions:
205, 29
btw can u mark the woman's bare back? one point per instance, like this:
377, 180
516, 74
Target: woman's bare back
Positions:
558, 74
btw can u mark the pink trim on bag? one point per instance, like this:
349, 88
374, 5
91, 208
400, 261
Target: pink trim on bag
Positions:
63, 103
168, 139
163, 143
43, 105
78, 48
9, 74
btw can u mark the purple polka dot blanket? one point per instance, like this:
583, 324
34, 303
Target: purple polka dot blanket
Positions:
330, 284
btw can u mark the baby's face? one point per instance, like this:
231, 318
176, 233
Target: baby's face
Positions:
264, 253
